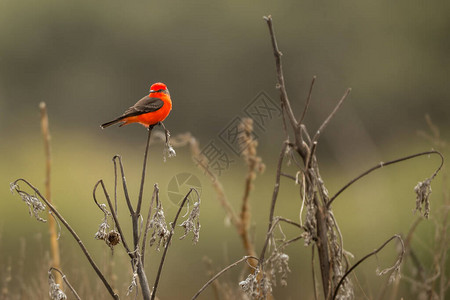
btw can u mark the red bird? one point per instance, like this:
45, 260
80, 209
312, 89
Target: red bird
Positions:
148, 111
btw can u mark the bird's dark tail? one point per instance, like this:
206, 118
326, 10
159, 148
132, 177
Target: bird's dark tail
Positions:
107, 124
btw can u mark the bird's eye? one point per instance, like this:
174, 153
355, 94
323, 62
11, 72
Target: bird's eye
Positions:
157, 91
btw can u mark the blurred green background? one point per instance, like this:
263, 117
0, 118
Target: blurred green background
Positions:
90, 60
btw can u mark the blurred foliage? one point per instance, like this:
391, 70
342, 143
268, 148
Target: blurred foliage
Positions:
91, 60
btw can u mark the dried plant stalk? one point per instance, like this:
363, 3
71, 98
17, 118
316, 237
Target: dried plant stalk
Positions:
15, 186
321, 226
54, 245
255, 166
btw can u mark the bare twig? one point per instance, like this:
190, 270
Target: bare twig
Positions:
166, 246
408, 251
336, 290
281, 85
145, 288
307, 101
275, 222
124, 182
137, 213
66, 281
147, 225
289, 176
384, 164
328, 119
135, 256
319, 225
274, 197
437, 286
245, 258
75, 236
115, 183
116, 220
313, 272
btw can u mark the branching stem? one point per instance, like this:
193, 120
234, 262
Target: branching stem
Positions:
281, 85
63, 276
166, 247
330, 116
245, 258
116, 220
382, 164
307, 100
75, 236
274, 198
147, 225
396, 236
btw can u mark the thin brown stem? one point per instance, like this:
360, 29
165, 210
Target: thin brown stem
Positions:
166, 132
274, 197
116, 220
141, 189
115, 184
293, 240
166, 246
307, 100
384, 164
145, 288
408, 238
75, 236
270, 231
281, 84
66, 281
54, 244
124, 182
283, 115
330, 116
147, 225
143, 281
289, 176
245, 258
313, 272
134, 255
341, 281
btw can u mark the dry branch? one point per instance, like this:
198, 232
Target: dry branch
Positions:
307, 100
116, 220
254, 165
245, 258
147, 225
317, 222
384, 164
66, 281
72, 231
394, 268
54, 245
166, 247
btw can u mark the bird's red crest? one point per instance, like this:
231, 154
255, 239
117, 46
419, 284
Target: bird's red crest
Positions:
158, 86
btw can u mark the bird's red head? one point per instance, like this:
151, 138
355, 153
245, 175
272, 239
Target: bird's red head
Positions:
158, 87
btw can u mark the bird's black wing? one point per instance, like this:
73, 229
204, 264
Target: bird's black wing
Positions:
143, 106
